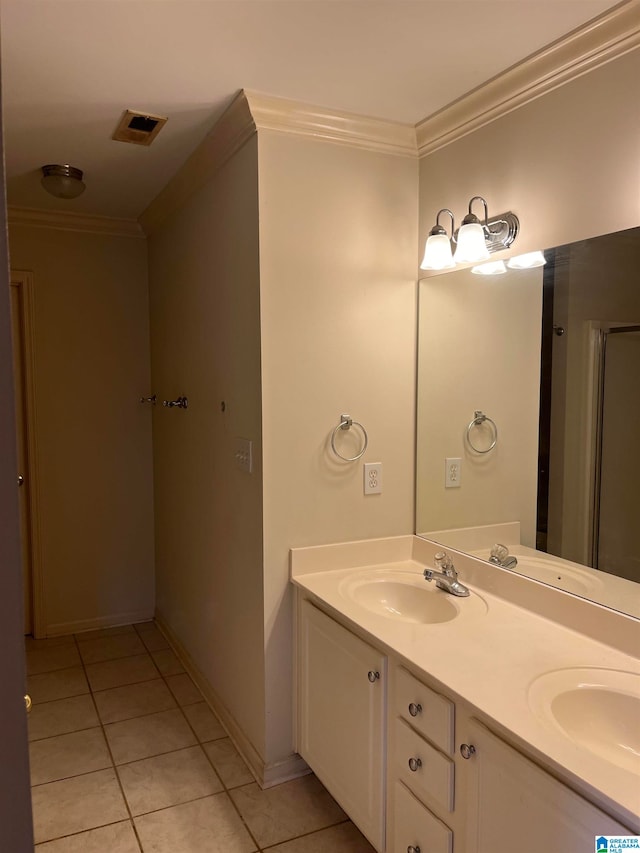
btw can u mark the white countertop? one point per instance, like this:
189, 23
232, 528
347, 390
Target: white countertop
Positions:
490, 659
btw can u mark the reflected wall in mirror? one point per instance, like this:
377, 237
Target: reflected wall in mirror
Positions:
552, 356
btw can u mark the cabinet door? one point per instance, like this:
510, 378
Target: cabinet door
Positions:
341, 718
515, 805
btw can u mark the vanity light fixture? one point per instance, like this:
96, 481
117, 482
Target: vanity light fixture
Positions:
62, 181
528, 261
437, 252
470, 238
475, 240
491, 268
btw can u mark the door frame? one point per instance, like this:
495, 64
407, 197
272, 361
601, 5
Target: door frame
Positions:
23, 279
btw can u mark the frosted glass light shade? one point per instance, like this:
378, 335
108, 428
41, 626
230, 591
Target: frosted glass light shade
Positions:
437, 253
62, 181
528, 261
492, 268
471, 244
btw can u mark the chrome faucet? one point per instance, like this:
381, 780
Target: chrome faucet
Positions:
447, 579
500, 557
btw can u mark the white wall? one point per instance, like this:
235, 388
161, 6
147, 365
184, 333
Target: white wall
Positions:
93, 465
338, 306
205, 344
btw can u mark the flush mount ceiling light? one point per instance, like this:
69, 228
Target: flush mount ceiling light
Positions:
528, 261
475, 240
62, 181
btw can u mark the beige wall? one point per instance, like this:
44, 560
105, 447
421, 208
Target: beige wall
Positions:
93, 465
205, 344
337, 245
566, 163
479, 349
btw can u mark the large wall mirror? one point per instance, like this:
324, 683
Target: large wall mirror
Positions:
529, 417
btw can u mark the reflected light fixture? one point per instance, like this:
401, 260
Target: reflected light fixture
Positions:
475, 240
491, 268
528, 261
437, 252
62, 181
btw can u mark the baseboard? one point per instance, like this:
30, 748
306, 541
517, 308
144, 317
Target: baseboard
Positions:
59, 629
266, 775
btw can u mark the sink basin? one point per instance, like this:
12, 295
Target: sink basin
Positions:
407, 597
598, 709
559, 573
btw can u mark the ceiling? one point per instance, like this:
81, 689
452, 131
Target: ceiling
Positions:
70, 68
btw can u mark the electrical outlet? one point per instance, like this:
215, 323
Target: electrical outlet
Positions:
452, 473
243, 454
373, 478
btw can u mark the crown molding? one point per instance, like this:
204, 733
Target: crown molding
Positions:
60, 220
285, 116
605, 38
234, 127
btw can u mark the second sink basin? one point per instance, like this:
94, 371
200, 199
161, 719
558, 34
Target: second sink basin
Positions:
407, 597
599, 709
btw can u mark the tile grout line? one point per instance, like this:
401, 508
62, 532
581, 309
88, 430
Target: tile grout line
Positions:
206, 755
200, 744
108, 745
204, 752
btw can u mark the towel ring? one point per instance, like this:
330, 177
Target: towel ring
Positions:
478, 419
346, 423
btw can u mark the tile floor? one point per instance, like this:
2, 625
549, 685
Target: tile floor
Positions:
126, 757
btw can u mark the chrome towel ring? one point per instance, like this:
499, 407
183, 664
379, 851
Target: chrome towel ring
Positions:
346, 423
480, 418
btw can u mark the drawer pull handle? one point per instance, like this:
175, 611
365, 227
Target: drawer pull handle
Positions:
373, 676
414, 710
467, 750
414, 764
412, 849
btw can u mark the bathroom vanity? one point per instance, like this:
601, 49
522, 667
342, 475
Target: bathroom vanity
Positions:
464, 725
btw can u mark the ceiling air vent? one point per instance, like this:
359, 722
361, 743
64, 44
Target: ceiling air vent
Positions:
139, 128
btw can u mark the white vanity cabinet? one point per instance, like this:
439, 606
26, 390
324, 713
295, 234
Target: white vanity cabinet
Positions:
421, 769
341, 717
512, 804
431, 777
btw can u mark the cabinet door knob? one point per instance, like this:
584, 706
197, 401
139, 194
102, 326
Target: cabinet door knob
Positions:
373, 676
467, 750
412, 849
415, 709
414, 763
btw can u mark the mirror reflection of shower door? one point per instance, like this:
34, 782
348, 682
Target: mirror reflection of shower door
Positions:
617, 521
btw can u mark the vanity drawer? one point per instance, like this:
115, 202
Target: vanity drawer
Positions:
415, 826
427, 711
422, 768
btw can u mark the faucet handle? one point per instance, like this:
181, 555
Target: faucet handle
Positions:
443, 561
500, 552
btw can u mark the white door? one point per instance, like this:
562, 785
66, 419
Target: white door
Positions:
17, 293
515, 805
342, 718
